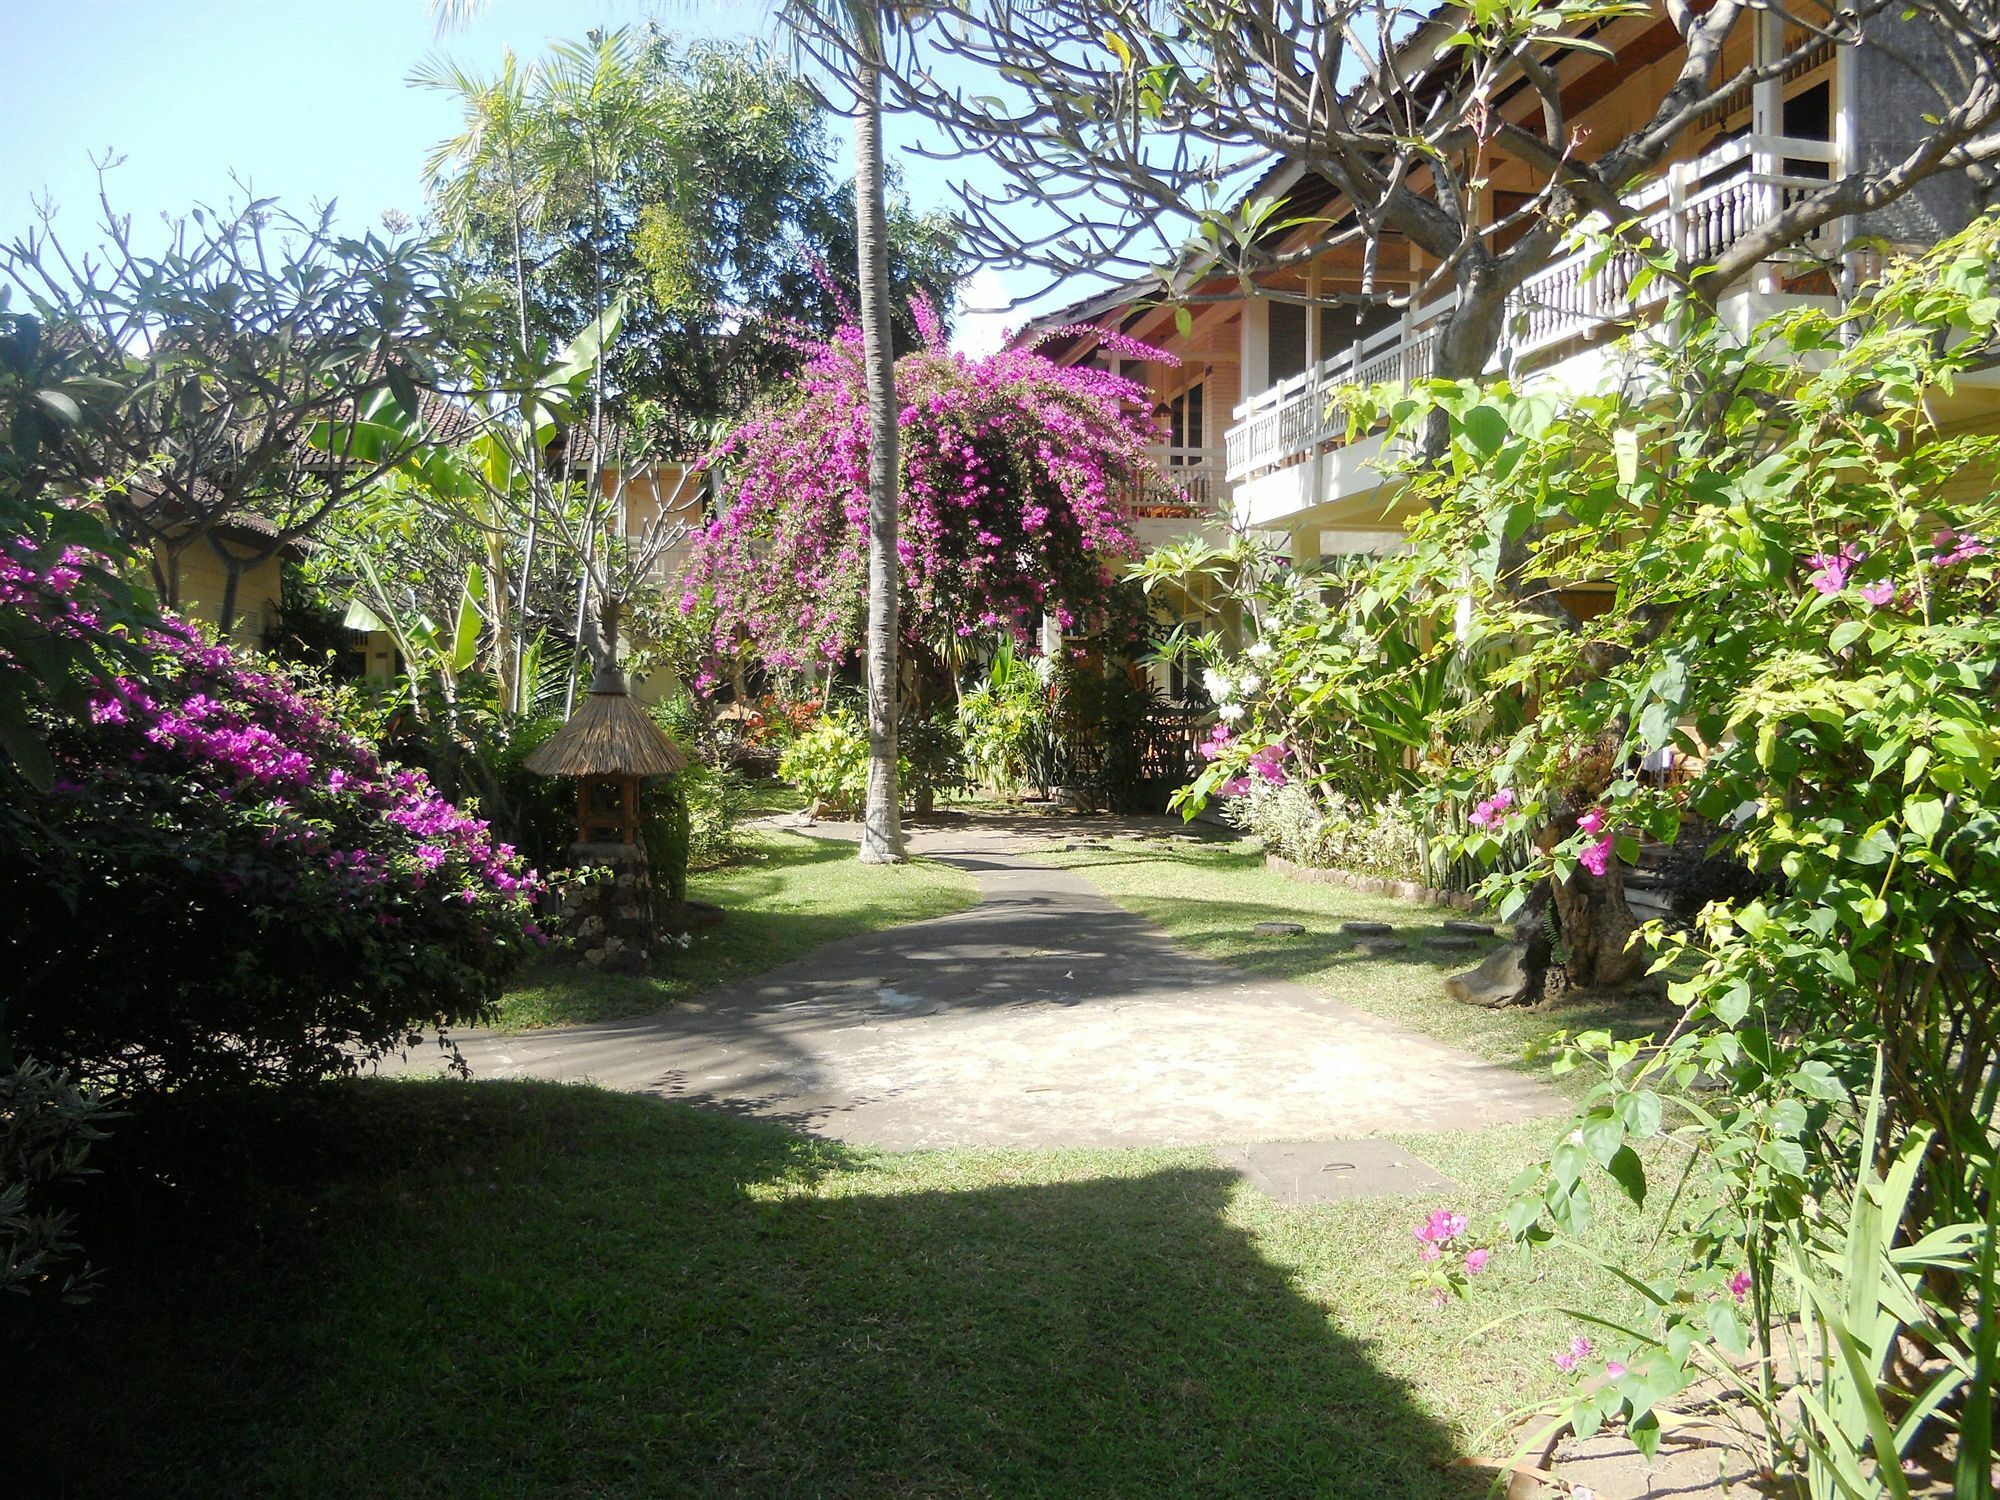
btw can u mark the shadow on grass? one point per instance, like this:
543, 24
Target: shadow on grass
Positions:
506, 1289
788, 895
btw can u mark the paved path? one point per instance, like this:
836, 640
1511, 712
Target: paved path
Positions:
1043, 1016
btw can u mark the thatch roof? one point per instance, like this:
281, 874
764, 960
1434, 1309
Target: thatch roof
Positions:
609, 735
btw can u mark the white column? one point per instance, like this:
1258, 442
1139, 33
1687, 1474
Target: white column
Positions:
1767, 120
1256, 348
1315, 352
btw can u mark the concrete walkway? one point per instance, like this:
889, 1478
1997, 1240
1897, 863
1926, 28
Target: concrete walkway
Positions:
1044, 1016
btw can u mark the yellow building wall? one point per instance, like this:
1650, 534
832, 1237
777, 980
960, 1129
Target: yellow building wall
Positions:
203, 582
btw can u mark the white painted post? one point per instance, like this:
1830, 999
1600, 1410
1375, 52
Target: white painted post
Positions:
1767, 123
1256, 347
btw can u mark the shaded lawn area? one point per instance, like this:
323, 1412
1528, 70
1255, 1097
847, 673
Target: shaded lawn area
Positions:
785, 897
507, 1289
1208, 896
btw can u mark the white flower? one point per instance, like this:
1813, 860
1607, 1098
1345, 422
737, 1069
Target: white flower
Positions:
1261, 651
1231, 712
1215, 683
1250, 683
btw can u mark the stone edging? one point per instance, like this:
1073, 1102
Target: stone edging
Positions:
1374, 885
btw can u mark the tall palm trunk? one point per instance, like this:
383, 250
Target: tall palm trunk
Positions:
881, 829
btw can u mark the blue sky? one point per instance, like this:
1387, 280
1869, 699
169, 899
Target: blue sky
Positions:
305, 99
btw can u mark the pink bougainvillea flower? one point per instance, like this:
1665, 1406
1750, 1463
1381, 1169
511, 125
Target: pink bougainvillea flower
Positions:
1430, 1254
1492, 811
1739, 1285
1955, 547
1013, 470
1613, 1368
1596, 857
1591, 822
1831, 569
1568, 1359
1218, 742
1879, 593
1269, 764
1475, 1260
1441, 1227
1236, 786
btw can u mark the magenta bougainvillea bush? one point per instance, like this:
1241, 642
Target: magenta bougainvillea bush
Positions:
219, 881
1012, 471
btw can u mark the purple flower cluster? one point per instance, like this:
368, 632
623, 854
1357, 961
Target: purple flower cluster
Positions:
1568, 1359
1266, 765
48, 592
1951, 547
1012, 473
204, 721
1830, 572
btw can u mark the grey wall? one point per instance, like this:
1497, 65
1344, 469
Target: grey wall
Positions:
1895, 84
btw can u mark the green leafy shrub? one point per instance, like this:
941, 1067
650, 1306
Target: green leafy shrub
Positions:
1805, 610
664, 830
1107, 727
715, 801
829, 762
931, 754
1007, 726
47, 1127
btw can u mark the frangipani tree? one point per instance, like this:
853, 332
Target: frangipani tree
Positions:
1011, 473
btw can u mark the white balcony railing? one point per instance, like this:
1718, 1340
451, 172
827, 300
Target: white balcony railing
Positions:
1184, 484
1698, 210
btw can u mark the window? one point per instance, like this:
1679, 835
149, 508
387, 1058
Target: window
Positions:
1808, 116
1186, 427
1345, 324
1288, 341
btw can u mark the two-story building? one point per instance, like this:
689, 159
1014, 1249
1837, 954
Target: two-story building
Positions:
1244, 412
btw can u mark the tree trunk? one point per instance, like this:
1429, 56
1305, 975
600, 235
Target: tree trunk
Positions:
881, 828
1597, 928
1594, 921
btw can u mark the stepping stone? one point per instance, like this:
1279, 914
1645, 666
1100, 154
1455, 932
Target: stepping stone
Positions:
1367, 929
1279, 929
1332, 1171
1468, 929
1379, 947
1450, 942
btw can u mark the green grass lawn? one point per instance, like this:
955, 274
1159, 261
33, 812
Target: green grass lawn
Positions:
1208, 897
496, 1289
785, 897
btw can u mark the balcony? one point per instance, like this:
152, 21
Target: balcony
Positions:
1184, 484
1698, 210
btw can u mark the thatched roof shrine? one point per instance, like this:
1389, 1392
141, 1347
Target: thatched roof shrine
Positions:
609, 735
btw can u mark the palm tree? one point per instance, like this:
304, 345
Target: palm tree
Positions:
847, 36
492, 167
853, 29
